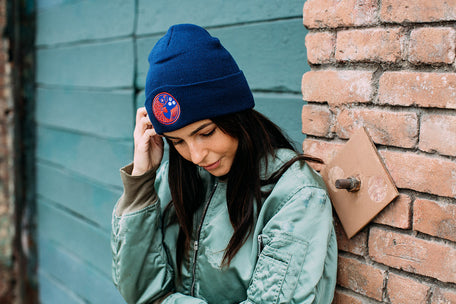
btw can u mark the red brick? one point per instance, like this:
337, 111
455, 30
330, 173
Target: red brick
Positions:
372, 45
356, 245
336, 13
321, 149
417, 10
438, 133
443, 296
398, 129
405, 290
316, 120
416, 88
397, 213
405, 252
432, 45
360, 277
337, 86
320, 47
421, 173
342, 297
434, 218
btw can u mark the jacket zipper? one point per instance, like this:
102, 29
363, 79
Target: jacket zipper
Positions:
260, 244
196, 243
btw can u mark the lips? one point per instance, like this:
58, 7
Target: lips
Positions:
212, 166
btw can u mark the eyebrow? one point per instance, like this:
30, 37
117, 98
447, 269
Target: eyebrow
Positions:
194, 131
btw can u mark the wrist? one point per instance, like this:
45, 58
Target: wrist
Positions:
138, 171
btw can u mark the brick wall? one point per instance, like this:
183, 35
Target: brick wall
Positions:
389, 66
6, 178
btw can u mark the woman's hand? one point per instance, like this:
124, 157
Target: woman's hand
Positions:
148, 144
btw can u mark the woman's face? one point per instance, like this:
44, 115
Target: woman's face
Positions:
205, 145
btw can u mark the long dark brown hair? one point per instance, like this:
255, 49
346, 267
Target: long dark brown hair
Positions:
257, 138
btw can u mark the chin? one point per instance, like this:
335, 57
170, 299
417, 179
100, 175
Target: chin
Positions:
220, 172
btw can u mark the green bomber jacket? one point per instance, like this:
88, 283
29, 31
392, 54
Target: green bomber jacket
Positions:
289, 257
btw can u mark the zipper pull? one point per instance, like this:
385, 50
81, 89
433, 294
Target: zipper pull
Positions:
195, 246
260, 244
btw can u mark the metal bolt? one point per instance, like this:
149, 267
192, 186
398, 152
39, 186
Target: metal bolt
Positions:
351, 184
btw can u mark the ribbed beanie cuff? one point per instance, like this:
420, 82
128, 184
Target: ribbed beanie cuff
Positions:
192, 77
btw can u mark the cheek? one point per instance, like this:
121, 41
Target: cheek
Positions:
183, 151
232, 147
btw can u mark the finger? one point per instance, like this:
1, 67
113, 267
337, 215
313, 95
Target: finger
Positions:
142, 141
141, 112
149, 133
145, 124
142, 125
145, 137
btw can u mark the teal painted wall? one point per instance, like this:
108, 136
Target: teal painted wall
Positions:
91, 67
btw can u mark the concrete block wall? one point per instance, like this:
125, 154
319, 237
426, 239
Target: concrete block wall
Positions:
390, 66
91, 68
85, 92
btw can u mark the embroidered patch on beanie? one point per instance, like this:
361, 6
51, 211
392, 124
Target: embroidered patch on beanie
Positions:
166, 108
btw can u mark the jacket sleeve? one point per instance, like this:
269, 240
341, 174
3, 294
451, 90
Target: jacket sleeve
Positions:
140, 267
298, 262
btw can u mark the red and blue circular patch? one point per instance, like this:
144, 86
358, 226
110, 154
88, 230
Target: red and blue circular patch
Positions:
166, 108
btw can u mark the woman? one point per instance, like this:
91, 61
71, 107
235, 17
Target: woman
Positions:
235, 215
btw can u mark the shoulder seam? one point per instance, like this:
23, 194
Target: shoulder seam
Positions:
292, 194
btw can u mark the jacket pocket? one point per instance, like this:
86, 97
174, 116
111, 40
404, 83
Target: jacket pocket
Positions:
277, 270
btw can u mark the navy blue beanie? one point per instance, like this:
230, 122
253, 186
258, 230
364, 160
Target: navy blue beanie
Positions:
192, 77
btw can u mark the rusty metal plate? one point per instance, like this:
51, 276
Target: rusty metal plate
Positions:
360, 160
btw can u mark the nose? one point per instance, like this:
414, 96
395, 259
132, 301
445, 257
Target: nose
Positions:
197, 153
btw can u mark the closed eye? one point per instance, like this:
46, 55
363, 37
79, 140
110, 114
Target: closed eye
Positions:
208, 133
176, 142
